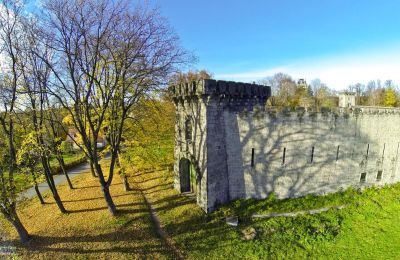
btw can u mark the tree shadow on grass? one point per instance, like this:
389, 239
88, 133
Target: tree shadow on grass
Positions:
183, 220
96, 198
119, 210
144, 181
133, 235
121, 241
93, 186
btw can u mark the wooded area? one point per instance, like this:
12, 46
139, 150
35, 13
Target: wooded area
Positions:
287, 92
92, 66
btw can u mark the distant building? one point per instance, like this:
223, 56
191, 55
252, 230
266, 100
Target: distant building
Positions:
101, 142
73, 134
302, 82
347, 99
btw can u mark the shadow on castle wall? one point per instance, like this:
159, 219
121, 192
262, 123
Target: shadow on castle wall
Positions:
297, 154
240, 150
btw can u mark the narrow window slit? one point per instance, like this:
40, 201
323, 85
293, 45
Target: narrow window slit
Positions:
284, 155
252, 157
367, 151
337, 152
312, 154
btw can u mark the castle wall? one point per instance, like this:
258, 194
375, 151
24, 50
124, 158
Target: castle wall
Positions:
205, 102
195, 150
323, 152
241, 150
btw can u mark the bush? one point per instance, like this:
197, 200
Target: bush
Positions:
66, 147
56, 169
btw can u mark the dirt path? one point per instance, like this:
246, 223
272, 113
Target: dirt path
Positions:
168, 242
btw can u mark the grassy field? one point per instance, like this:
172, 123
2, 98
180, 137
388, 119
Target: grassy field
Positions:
367, 228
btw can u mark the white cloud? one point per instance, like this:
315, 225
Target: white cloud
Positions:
337, 72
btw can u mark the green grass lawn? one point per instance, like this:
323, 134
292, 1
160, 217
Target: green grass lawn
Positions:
368, 228
68, 158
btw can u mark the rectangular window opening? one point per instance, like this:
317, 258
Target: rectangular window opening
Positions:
284, 155
367, 151
379, 175
363, 177
252, 157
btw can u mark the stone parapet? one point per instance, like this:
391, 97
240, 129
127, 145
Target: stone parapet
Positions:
220, 88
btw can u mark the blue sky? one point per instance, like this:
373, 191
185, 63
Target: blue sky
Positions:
341, 42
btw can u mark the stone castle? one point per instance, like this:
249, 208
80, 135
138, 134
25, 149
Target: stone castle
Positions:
228, 145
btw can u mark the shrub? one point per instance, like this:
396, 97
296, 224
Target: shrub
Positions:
66, 147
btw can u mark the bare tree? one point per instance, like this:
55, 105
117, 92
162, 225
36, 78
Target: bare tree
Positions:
107, 56
35, 76
10, 33
283, 88
321, 93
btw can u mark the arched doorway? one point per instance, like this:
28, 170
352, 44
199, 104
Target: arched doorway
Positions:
187, 176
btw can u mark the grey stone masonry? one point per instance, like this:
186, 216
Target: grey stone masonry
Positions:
201, 106
239, 149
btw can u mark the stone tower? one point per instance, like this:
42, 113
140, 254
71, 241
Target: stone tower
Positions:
201, 135
347, 99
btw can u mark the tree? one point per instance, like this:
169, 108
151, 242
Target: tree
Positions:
107, 57
56, 133
182, 77
390, 97
321, 94
10, 34
29, 156
359, 89
35, 74
149, 137
189, 76
283, 89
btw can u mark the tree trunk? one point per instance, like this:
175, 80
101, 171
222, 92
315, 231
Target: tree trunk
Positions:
105, 186
52, 186
56, 196
62, 165
122, 172
39, 195
109, 200
22, 233
92, 169
126, 183
59, 202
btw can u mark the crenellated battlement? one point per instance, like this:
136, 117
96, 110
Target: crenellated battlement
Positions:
221, 88
331, 112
